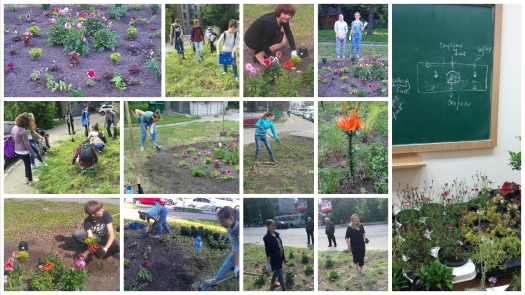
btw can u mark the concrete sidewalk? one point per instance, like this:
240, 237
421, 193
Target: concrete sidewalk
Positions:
14, 175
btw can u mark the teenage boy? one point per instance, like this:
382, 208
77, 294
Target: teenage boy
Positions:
230, 40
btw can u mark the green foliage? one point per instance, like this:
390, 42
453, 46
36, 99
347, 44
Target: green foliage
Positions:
93, 25
137, 7
73, 40
35, 75
373, 162
12, 7
35, 53
78, 93
154, 66
308, 78
291, 263
289, 275
141, 280
104, 39
219, 15
15, 277
261, 278
119, 82
198, 171
344, 78
34, 30
56, 32
308, 270
114, 57
287, 89
132, 32
228, 155
296, 60
254, 87
291, 254
515, 158
23, 256
333, 275
44, 111
435, 277
126, 263
116, 11
251, 208
399, 283
154, 8
329, 262
324, 60
304, 258
374, 110
73, 280
361, 93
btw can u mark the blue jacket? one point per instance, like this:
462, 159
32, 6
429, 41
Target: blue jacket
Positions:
84, 117
265, 124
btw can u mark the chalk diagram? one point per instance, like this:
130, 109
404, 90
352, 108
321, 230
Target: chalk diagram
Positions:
451, 77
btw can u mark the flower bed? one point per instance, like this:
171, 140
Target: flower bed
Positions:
82, 50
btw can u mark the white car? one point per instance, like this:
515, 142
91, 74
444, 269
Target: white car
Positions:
235, 204
104, 107
203, 204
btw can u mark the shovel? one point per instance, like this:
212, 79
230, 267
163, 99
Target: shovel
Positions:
159, 150
280, 142
223, 133
139, 187
205, 287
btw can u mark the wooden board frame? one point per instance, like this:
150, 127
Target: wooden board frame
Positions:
492, 142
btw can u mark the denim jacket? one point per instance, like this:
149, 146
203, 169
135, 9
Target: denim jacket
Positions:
265, 124
233, 232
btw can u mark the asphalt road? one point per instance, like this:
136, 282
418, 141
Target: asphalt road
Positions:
296, 237
296, 126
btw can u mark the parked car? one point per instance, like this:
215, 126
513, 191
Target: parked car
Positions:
312, 117
8, 125
306, 115
104, 107
299, 113
281, 225
150, 201
203, 204
249, 119
235, 204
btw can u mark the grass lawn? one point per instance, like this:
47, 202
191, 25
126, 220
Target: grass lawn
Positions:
256, 280
341, 276
61, 177
380, 36
212, 258
168, 137
328, 51
166, 118
42, 218
187, 78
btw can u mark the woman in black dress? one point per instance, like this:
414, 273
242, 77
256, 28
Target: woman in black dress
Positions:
355, 239
274, 254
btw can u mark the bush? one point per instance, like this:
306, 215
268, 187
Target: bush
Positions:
154, 66
333, 275
154, 8
104, 38
329, 262
198, 171
289, 275
304, 258
34, 30
117, 11
308, 270
35, 53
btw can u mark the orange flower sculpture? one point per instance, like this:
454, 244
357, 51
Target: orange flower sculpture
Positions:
351, 122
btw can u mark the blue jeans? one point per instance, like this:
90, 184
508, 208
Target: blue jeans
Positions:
27, 165
108, 128
340, 43
226, 266
179, 46
162, 221
37, 152
143, 137
99, 146
198, 50
234, 64
278, 273
80, 236
356, 42
264, 139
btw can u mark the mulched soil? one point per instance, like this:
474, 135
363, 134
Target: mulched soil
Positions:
103, 274
334, 89
17, 80
163, 171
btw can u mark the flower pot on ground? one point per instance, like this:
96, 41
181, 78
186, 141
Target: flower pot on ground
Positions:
453, 256
399, 282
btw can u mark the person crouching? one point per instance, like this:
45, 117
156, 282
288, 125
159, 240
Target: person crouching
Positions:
86, 156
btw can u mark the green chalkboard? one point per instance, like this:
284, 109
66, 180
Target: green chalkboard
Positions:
445, 59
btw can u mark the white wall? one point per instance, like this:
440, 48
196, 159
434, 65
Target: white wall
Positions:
444, 167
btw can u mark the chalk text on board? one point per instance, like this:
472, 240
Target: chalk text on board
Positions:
450, 45
401, 85
458, 103
484, 48
397, 106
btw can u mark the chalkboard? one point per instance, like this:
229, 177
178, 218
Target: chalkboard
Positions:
445, 76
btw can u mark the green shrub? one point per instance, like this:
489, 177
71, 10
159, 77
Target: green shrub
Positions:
34, 30
104, 38
132, 32
289, 275
198, 171
117, 11
329, 262
114, 57
137, 6
304, 258
154, 66
333, 275
154, 8
35, 53
308, 270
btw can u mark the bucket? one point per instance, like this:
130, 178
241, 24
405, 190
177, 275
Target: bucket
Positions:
225, 59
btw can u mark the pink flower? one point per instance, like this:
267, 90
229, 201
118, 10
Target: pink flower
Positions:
92, 15
11, 259
84, 15
10, 65
84, 39
15, 254
28, 16
324, 77
80, 264
67, 25
266, 63
5, 280
66, 10
369, 86
279, 54
81, 256
253, 71
91, 74
79, 26
271, 58
228, 172
101, 14
492, 280
78, 14
248, 67
8, 266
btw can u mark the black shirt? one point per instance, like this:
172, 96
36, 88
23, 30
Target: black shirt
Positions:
98, 227
356, 236
263, 30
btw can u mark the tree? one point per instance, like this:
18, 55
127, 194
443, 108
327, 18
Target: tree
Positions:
219, 15
44, 111
370, 19
251, 209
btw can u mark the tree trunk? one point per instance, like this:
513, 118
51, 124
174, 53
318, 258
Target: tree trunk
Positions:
370, 19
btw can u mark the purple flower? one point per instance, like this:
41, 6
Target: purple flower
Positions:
492, 280
80, 264
28, 16
79, 26
84, 39
81, 256
5, 280
67, 25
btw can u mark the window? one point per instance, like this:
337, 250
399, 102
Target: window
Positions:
183, 6
184, 15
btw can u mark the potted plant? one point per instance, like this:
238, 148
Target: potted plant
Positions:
399, 282
435, 277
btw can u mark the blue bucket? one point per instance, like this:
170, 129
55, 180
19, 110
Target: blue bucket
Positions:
225, 59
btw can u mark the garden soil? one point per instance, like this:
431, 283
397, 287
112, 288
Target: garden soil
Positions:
103, 274
163, 172
334, 89
17, 81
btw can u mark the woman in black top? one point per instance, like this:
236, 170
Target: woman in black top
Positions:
265, 35
355, 239
274, 254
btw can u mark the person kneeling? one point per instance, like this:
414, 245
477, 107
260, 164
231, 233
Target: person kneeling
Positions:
86, 156
97, 139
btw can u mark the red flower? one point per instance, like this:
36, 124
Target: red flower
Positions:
144, 265
91, 74
48, 266
326, 256
263, 269
56, 10
369, 86
8, 266
84, 15
506, 188
266, 63
349, 123
444, 194
288, 65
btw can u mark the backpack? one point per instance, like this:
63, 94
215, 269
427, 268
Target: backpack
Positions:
9, 147
67, 118
102, 137
86, 152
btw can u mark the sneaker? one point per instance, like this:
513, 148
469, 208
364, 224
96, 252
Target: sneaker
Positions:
223, 73
34, 166
211, 282
156, 236
27, 180
276, 284
33, 181
183, 57
101, 151
141, 148
256, 161
83, 170
273, 160
91, 169
43, 164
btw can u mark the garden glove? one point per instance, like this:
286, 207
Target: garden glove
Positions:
277, 139
236, 271
138, 120
268, 267
145, 234
294, 53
